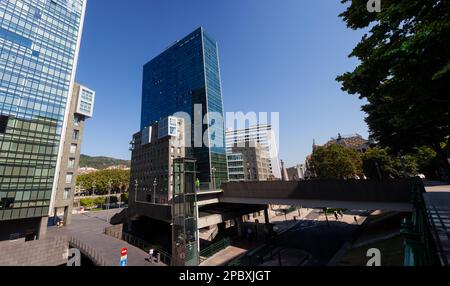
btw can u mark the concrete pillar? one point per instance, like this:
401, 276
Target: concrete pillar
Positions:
221, 227
239, 226
67, 216
266, 216
43, 228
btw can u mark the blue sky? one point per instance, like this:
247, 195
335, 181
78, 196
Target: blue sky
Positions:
276, 56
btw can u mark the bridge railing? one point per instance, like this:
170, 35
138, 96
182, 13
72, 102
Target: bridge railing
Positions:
214, 248
420, 247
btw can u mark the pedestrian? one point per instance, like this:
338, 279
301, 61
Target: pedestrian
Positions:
197, 184
336, 216
341, 213
150, 255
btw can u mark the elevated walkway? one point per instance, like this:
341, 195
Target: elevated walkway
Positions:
437, 201
393, 195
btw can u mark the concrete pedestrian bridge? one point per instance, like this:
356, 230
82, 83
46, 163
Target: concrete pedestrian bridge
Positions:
392, 195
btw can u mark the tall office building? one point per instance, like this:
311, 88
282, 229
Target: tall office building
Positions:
186, 75
262, 134
81, 108
39, 43
153, 152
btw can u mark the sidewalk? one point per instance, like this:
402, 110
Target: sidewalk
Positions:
88, 228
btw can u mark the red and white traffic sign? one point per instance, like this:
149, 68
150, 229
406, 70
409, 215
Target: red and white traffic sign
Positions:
123, 251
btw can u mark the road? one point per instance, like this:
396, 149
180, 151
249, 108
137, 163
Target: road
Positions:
321, 240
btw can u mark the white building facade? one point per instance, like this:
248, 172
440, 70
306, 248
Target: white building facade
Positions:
262, 134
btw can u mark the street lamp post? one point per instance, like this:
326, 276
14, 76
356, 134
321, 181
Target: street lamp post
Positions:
155, 184
214, 177
136, 184
109, 200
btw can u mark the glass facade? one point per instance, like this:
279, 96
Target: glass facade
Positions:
38, 47
184, 75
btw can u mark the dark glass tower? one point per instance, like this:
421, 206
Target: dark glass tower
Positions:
186, 75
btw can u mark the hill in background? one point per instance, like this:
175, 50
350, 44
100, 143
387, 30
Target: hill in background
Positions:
101, 162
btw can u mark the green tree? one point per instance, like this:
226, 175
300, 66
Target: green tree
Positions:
120, 179
87, 203
380, 162
377, 163
99, 201
336, 162
404, 73
427, 161
124, 198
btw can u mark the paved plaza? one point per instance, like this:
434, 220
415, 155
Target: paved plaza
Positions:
89, 228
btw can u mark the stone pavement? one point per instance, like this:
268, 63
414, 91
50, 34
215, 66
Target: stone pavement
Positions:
89, 228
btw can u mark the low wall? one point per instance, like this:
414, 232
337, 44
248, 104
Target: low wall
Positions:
49, 251
115, 231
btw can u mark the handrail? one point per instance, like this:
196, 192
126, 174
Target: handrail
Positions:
215, 247
420, 248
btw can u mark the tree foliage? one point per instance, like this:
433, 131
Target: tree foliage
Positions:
336, 162
404, 73
98, 181
87, 203
378, 163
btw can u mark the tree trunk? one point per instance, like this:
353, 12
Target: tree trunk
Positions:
443, 156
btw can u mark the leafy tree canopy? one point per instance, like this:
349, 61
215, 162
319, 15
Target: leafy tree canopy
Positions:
336, 162
98, 181
404, 72
378, 163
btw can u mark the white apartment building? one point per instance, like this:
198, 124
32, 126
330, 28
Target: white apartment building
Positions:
262, 134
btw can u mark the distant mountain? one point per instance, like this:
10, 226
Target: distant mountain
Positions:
101, 162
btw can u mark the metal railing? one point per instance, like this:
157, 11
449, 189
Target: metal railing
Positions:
214, 248
165, 257
420, 248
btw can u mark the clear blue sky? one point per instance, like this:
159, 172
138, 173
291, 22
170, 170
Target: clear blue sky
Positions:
276, 56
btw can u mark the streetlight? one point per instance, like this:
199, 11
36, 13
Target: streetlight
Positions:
213, 169
109, 200
136, 184
155, 184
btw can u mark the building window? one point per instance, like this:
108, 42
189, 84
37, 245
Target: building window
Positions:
73, 149
66, 194
3, 123
69, 178
71, 163
76, 121
76, 135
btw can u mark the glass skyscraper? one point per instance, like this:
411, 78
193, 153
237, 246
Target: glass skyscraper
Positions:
39, 42
184, 75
